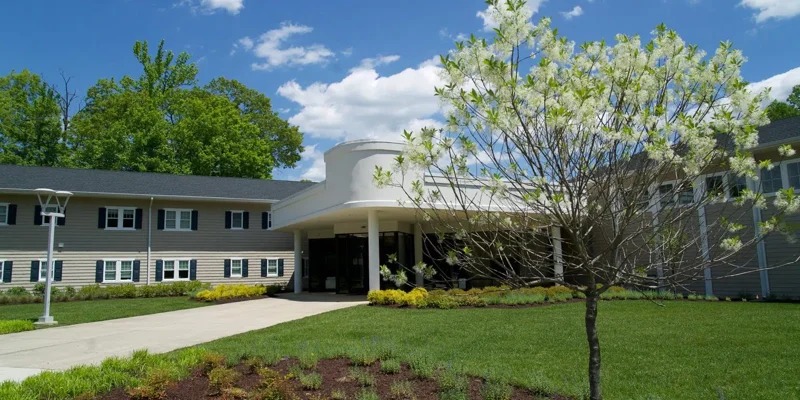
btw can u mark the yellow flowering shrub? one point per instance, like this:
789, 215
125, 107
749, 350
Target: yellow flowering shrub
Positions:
222, 292
413, 297
398, 297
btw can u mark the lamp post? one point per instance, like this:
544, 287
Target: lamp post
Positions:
59, 197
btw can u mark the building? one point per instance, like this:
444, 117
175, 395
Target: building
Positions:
145, 228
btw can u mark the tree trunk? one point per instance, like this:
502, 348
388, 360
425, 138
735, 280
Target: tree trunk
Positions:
595, 393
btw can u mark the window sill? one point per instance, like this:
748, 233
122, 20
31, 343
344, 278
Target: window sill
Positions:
272, 276
176, 280
176, 230
120, 229
120, 281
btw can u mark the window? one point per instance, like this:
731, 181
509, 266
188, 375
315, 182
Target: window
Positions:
236, 267
771, 180
304, 268
715, 186
120, 218
665, 193
118, 271
686, 195
792, 169
43, 270
176, 270
736, 185
3, 217
178, 220
272, 267
237, 220
268, 219
2, 267
46, 220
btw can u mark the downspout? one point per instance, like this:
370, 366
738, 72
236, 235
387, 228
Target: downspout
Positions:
149, 236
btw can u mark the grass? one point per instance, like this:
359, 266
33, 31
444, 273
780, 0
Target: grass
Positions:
79, 312
697, 350
16, 325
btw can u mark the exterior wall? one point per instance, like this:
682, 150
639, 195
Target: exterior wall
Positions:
79, 243
784, 279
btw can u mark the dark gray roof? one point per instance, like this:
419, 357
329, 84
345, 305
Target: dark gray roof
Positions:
779, 131
15, 177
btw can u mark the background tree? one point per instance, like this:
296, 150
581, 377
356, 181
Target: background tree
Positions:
791, 108
540, 134
30, 130
162, 121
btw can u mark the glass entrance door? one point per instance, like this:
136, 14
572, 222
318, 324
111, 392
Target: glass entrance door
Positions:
352, 275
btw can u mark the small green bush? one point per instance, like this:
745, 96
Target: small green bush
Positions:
362, 376
17, 291
221, 378
272, 290
210, 361
402, 390
421, 366
493, 390
367, 395
234, 393
310, 381
15, 325
450, 379
338, 394
390, 366
154, 386
308, 360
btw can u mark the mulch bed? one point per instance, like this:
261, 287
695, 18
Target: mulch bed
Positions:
545, 304
335, 377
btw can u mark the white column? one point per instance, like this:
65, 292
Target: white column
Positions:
558, 256
418, 252
761, 251
298, 261
704, 246
374, 249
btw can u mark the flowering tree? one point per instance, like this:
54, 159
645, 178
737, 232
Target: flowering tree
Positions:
614, 144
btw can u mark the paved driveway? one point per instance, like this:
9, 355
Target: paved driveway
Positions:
27, 353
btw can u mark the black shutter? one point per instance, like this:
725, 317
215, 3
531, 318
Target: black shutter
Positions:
280, 267
98, 271
244, 268
58, 268
137, 266
161, 220
137, 224
101, 218
263, 268
264, 220
61, 221
228, 217
37, 215
7, 266
193, 270
195, 214
159, 268
246, 220
34, 271
12, 215
227, 270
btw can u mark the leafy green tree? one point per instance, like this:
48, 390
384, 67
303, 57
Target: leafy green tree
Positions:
162, 121
791, 108
30, 127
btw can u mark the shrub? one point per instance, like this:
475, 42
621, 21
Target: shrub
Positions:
38, 289
210, 361
386, 297
421, 365
413, 297
234, 394
362, 376
390, 366
727, 299
221, 378
452, 395
493, 390
222, 292
470, 301
308, 360
711, 298
272, 387
440, 302
253, 364
310, 381
402, 390
367, 395
70, 291
692, 297
450, 379
17, 291
121, 291
154, 386
15, 325
272, 290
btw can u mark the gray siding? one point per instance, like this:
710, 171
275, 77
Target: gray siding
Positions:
83, 243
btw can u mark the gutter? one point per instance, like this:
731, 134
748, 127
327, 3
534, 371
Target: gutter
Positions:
149, 237
150, 196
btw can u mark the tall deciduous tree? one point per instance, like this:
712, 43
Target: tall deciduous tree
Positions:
790, 108
162, 122
30, 130
609, 143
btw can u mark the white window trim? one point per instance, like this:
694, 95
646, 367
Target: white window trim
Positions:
120, 210
269, 219
785, 173
177, 227
5, 222
784, 179
726, 186
241, 267
275, 275
2, 270
305, 267
176, 261
118, 270
42, 265
235, 212
43, 217
676, 198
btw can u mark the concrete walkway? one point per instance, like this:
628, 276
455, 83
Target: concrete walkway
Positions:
28, 353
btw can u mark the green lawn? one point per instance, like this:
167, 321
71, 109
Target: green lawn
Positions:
684, 350
78, 312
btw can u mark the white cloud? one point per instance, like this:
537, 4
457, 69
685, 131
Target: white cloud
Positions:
371, 63
489, 22
577, 11
347, 52
212, 6
316, 172
367, 105
781, 84
767, 9
269, 46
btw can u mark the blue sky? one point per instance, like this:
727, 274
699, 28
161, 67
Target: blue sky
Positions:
350, 69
